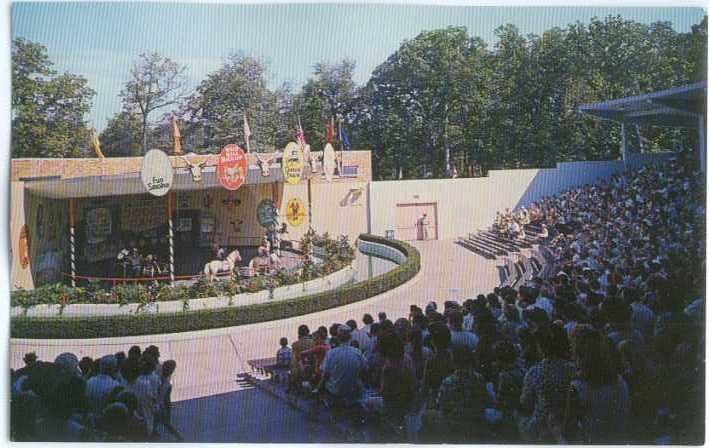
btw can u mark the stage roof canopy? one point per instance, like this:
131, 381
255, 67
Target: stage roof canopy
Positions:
675, 107
130, 183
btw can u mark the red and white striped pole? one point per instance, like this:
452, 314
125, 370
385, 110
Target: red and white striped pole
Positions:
171, 239
72, 242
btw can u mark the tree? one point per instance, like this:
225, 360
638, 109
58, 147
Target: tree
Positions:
155, 82
47, 109
122, 136
331, 92
215, 112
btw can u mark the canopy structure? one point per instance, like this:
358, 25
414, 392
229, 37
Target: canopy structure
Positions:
680, 107
130, 183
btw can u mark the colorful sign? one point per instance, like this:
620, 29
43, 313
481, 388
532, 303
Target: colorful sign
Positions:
156, 172
329, 162
293, 163
266, 213
98, 224
295, 212
232, 167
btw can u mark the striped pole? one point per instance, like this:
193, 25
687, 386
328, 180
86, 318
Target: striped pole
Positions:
72, 242
172, 245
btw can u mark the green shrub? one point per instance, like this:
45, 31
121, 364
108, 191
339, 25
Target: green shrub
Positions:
61, 327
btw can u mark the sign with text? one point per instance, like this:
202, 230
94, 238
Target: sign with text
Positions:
232, 167
293, 163
156, 172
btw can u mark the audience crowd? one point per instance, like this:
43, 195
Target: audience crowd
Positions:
115, 398
608, 348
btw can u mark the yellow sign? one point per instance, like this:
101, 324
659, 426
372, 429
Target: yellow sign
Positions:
295, 212
292, 163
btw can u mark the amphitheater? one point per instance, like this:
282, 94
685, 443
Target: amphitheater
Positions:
224, 389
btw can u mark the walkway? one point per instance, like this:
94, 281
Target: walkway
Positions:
208, 361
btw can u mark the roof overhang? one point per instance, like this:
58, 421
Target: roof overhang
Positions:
130, 183
676, 107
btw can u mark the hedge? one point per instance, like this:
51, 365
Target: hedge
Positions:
76, 327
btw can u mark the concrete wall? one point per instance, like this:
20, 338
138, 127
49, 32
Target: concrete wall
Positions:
467, 205
339, 208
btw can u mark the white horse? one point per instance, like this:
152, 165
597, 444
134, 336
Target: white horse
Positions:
214, 267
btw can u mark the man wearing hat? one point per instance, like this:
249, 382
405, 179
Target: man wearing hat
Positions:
341, 370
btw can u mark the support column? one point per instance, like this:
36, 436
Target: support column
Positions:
624, 144
72, 241
310, 207
702, 146
171, 238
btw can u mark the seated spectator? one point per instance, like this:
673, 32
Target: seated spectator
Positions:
398, 379
462, 400
359, 336
342, 369
100, 386
284, 355
442, 363
600, 398
545, 391
458, 335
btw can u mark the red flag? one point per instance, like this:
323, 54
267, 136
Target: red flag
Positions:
330, 131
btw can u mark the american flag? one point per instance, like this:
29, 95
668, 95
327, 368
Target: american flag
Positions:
301, 134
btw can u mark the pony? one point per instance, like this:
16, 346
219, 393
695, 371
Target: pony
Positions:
212, 268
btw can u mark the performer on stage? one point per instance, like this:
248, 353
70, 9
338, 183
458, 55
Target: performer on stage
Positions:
421, 228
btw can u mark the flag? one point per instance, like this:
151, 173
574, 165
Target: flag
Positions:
301, 135
343, 139
247, 133
330, 131
95, 143
176, 136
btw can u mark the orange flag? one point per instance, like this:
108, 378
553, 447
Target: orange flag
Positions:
95, 143
176, 137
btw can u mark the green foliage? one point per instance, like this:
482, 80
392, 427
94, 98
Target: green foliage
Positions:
445, 95
330, 92
155, 82
193, 320
47, 108
214, 114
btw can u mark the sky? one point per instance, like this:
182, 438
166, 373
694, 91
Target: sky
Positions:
101, 40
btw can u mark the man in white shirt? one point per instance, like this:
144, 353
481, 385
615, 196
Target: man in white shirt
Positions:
360, 336
458, 335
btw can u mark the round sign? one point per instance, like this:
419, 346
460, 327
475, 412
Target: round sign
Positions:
232, 167
156, 172
292, 163
266, 213
295, 212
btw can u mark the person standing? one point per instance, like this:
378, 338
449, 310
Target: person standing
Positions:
421, 228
